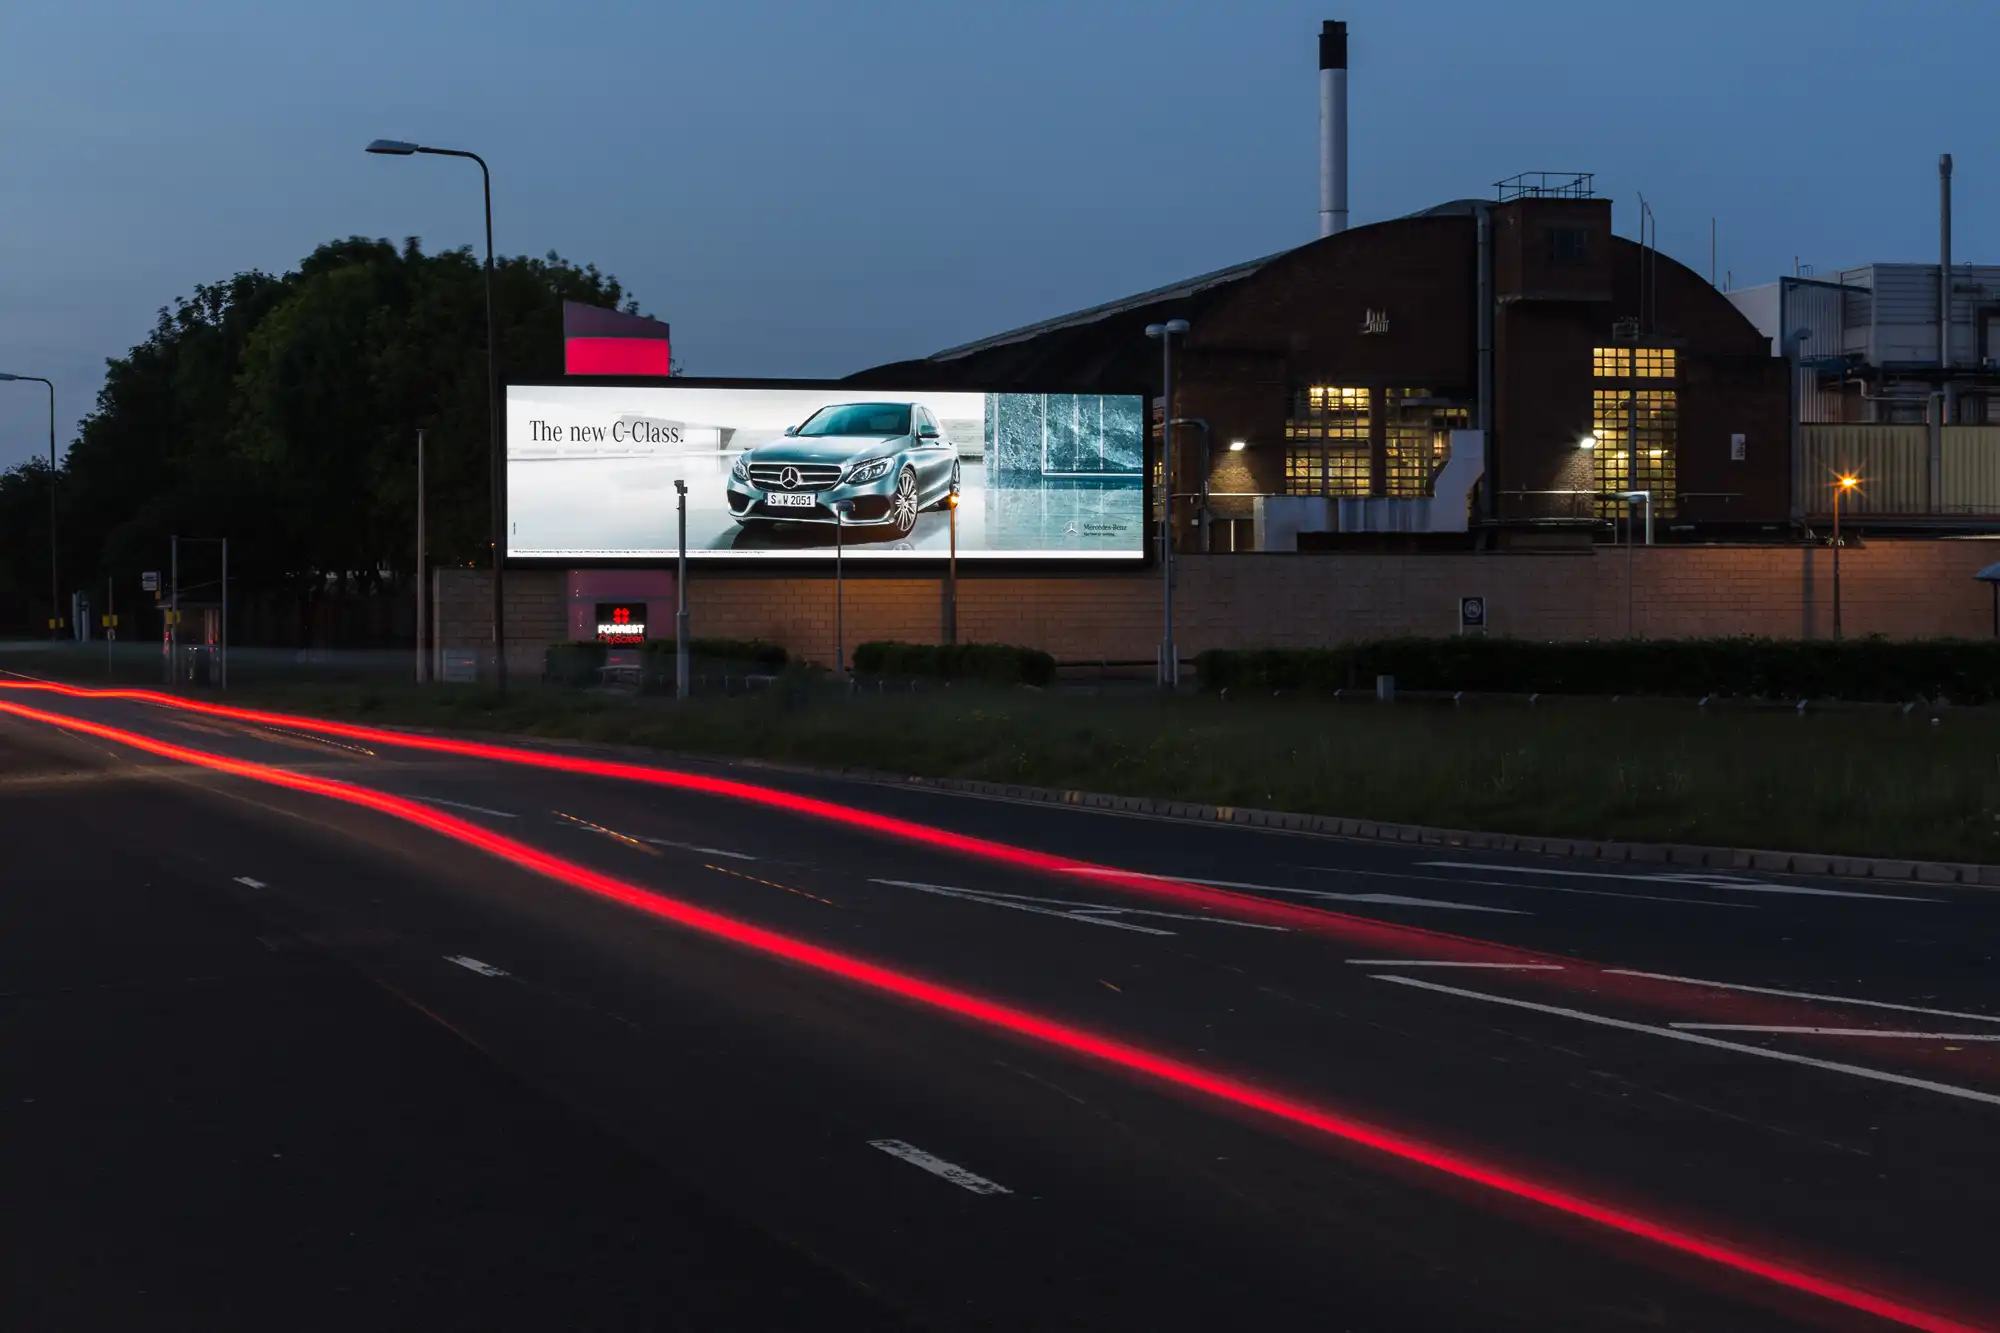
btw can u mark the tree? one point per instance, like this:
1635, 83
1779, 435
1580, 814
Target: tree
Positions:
282, 412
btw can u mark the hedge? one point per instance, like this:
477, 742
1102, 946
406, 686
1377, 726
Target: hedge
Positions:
998, 663
578, 663
1873, 669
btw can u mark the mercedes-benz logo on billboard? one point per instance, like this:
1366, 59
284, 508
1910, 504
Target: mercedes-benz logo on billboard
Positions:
789, 478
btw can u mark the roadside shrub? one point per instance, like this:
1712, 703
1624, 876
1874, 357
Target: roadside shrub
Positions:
712, 657
572, 663
996, 663
578, 663
1963, 671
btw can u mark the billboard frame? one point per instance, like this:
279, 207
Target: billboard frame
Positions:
917, 565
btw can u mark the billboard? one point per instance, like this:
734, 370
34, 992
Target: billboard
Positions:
785, 471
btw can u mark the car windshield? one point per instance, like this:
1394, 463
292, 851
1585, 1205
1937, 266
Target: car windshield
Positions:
859, 419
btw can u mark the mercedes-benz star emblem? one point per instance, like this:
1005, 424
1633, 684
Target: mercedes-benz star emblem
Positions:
789, 478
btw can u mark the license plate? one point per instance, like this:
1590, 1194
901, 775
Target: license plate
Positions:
792, 499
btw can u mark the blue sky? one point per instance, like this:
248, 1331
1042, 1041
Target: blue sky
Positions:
814, 187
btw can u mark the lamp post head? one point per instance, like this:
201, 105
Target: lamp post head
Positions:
1156, 330
1849, 483
392, 147
9, 377
1177, 326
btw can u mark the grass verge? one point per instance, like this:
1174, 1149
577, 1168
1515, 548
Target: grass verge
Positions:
1862, 784
1859, 783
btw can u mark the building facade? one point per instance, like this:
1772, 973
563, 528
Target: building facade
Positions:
1321, 393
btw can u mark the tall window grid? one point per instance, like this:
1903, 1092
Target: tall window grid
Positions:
1623, 460
1326, 442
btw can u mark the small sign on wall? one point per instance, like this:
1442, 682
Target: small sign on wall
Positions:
1738, 448
1472, 615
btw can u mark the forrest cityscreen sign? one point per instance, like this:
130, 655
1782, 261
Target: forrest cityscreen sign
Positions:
787, 471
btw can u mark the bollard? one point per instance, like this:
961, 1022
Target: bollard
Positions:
1385, 689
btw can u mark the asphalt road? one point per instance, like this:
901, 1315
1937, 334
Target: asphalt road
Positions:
273, 1059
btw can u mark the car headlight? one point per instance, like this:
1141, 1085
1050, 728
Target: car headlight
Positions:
872, 470
742, 469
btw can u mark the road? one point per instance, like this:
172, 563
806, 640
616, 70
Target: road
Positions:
276, 1058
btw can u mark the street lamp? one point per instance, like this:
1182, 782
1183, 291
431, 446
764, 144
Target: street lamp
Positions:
1845, 484
496, 460
55, 594
1170, 664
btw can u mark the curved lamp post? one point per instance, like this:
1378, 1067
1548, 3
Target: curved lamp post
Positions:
55, 594
496, 461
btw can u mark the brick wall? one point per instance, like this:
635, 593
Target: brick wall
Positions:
1901, 589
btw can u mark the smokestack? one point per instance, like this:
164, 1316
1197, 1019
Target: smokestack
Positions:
1332, 127
1944, 262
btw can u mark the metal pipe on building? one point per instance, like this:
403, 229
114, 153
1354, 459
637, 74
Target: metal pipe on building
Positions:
1484, 370
1944, 262
1332, 127
1944, 279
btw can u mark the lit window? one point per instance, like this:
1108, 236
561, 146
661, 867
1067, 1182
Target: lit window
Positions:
1326, 442
1611, 363
1645, 422
1654, 363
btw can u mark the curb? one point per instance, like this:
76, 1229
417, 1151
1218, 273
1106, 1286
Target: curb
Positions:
1693, 856
1330, 826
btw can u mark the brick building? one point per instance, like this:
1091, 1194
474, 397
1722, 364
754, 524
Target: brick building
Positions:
1329, 381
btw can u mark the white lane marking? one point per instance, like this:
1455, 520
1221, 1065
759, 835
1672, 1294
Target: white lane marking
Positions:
1440, 962
1728, 882
1839, 1032
1089, 909
474, 965
1803, 995
1386, 899
461, 805
1624, 895
999, 900
937, 1166
252, 883
1832, 1066
697, 847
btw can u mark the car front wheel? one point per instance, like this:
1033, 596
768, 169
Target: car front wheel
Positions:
903, 507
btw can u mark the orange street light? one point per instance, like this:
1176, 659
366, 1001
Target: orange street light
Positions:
1847, 482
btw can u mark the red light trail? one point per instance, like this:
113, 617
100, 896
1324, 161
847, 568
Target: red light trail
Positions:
1006, 1018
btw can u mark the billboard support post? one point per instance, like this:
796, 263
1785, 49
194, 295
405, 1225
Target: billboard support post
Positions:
682, 647
1170, 662
839, 591
951, 574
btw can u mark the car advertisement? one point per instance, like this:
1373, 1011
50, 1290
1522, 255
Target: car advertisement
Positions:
792, 472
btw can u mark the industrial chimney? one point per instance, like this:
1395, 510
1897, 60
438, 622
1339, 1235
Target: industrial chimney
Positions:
1332, 127
1944, 262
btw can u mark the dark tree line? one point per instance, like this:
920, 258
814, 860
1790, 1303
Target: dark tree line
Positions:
282, 412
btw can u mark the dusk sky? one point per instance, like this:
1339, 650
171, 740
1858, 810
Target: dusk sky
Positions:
812, 188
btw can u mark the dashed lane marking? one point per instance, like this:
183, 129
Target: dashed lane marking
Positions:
937, 1166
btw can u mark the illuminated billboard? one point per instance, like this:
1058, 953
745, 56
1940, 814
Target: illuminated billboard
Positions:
787, 471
